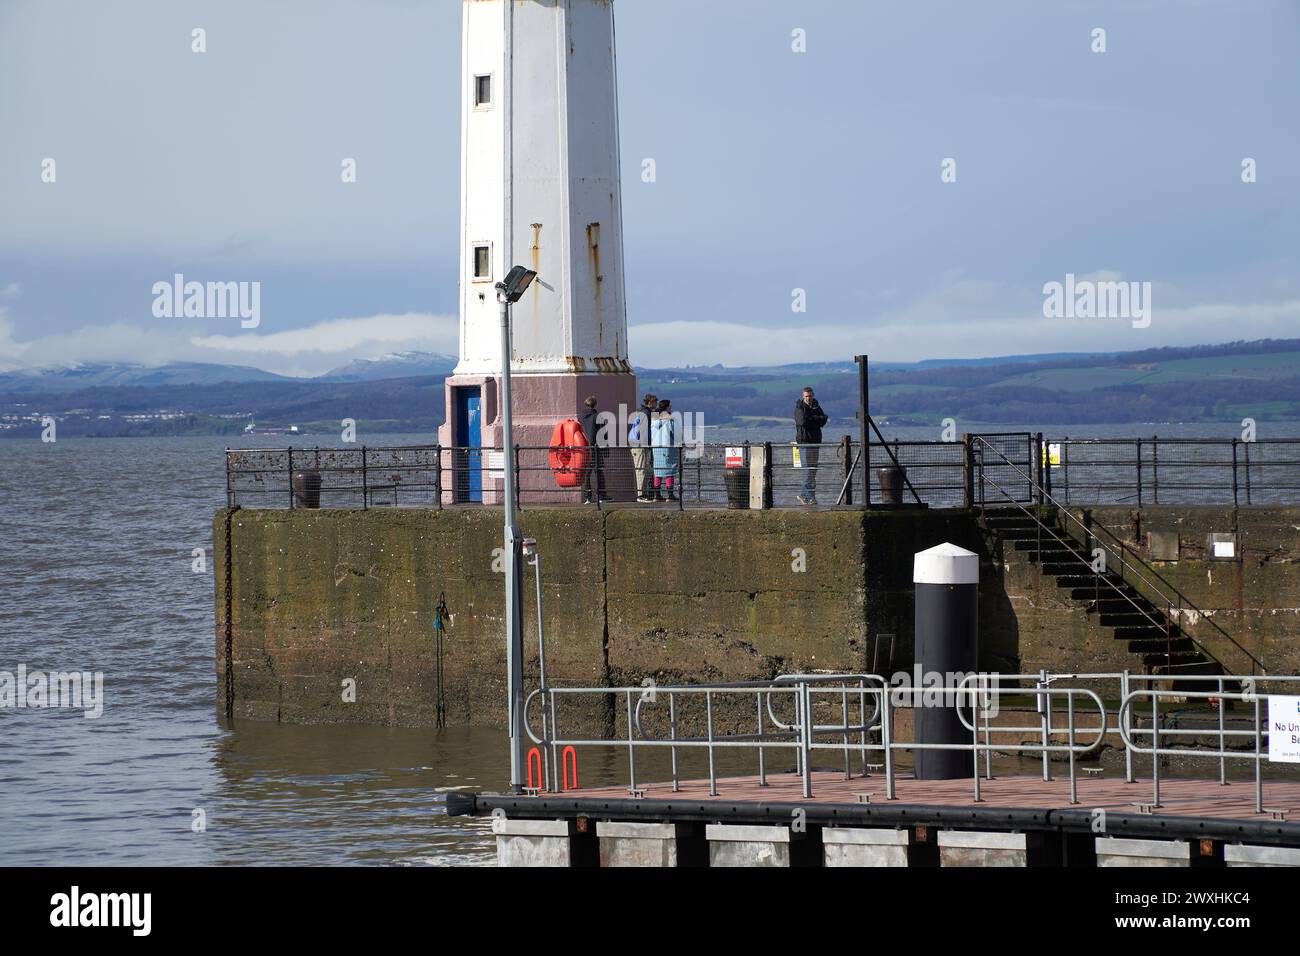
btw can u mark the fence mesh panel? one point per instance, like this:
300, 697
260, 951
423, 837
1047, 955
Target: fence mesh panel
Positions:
1074, 471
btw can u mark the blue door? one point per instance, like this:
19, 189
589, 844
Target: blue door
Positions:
469, 482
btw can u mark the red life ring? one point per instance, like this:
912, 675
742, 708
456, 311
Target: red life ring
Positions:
569, 457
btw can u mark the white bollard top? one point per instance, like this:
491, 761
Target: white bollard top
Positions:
946, 564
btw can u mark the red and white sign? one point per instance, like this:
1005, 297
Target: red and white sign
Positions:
735, 457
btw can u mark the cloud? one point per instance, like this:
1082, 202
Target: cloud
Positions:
10, 351
389, 333
930, 329
309, 350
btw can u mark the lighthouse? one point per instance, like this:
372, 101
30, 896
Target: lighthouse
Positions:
539, 188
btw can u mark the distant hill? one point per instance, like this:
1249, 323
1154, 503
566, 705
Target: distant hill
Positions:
64, 378
1202, 383
396, 365
1260, 380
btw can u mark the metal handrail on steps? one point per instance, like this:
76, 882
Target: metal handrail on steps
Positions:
1174, 605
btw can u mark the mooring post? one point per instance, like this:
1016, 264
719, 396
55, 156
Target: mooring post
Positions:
947, 584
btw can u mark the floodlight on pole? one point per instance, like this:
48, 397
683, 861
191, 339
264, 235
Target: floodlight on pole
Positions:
509, 290
516, 283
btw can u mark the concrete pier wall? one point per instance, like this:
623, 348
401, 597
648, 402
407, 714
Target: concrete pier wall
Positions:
332, 611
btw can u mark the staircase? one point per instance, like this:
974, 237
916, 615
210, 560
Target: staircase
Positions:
1147, 628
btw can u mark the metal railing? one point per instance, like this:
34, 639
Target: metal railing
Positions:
1163, 731
682, 475
865, 706
1122, 561
1155, 471
1174, 471
357, 477
856, 716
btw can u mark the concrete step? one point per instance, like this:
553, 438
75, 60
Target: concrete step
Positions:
1131, 618
1180, 645
1086, 582
1187, 664
1145, 632
1019, 536
1067, 566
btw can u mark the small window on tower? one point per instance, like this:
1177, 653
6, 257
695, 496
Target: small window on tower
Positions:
483, 262
483, 90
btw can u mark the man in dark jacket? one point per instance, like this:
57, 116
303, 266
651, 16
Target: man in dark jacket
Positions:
591, 427
808, 421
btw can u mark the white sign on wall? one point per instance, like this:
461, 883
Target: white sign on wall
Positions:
1283, 729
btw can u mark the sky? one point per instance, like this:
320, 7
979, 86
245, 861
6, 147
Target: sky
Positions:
776, 170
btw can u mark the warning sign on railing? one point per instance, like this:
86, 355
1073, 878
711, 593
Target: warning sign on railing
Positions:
735, 457
1283, 729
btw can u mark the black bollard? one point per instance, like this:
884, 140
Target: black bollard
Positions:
947, 586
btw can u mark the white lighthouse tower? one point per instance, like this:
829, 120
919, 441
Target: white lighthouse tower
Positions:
539, 188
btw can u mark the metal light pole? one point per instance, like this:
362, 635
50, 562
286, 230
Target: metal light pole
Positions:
508, 292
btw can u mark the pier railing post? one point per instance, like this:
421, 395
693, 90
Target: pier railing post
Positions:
1234, 473
681, 475
437, 474
968, 468
1045, 722
1038, 467
887, 739
515, 467
1155, 747
846, 444
290, 458
1065, 466
1155, 469
1139, 471
805, 737
1245, 448
768, 496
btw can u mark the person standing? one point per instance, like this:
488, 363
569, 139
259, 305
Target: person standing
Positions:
638, 437
808, 421
663, 439
595, 477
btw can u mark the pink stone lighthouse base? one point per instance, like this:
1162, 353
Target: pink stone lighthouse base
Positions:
539, 403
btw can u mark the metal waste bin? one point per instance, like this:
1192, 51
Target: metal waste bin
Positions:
306, 488
891, 485
737, 482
